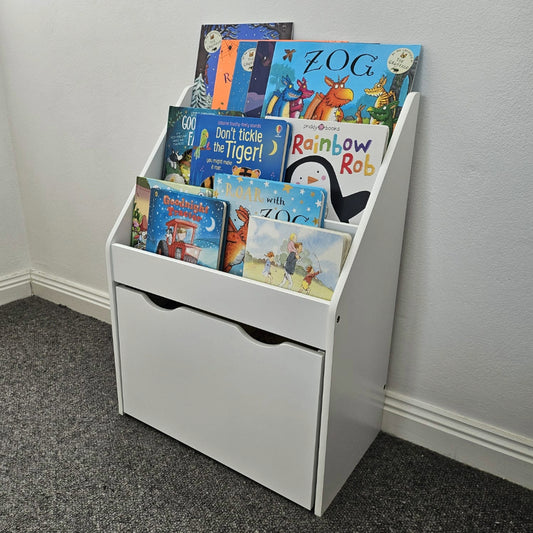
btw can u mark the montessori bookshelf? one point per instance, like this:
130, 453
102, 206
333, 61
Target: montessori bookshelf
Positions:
282, 387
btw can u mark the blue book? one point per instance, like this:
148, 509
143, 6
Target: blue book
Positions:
241, 75
250, 147
187, 227
300, 204
341, 78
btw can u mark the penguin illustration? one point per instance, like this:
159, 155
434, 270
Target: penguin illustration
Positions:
318, 171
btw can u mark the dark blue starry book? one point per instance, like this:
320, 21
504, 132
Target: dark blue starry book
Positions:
187, 227
245, 146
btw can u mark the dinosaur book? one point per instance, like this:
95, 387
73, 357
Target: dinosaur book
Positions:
246, 146
341, 157
187, 227
334, 80
301, 204
304, 259
211, 37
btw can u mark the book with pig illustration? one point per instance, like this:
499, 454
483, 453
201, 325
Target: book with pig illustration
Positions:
187, 227
211, 37
304, 259
335, 80
300, 204
342, 157
250, 147
141, 204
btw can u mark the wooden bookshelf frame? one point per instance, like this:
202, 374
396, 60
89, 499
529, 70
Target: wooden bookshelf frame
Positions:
335, 354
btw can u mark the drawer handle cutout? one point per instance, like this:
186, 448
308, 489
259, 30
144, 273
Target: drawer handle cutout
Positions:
162, 302
266, 337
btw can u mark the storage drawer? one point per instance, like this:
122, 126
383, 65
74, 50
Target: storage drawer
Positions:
202, 380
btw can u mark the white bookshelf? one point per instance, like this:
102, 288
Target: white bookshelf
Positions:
296, 416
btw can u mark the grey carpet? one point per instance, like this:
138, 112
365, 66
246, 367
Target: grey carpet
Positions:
70, 463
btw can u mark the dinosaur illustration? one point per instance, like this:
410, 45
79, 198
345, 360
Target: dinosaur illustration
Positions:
385, 115
296, 106
383, 97
278, 104
236, 240
328, 106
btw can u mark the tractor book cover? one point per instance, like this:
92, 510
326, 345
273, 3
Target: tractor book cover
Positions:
342, 157
250, 147
300, 204
304, 259
334, 80
141, 205
187, 227
211, 37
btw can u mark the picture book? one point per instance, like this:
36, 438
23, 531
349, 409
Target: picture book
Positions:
178, 142
343, 81
301, 204
211, 37
246, 146
187, 227
224, 75
341, 157
303, 259
141, 204
241, 75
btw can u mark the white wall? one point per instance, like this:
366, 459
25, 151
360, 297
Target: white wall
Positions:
88, 86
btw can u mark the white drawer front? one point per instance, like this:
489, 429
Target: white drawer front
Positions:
200, 379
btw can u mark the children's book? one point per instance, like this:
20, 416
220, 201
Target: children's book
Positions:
251, 147
178, 143
141, 204
187, 227
301, 204
241, 75
211, 37
303, 259
341, 157
342, 79
224, 75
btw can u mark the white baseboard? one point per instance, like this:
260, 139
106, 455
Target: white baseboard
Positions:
80, 298
468, 441
15, 286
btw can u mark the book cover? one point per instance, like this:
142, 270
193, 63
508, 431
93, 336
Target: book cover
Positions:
187, 227
224, 75
241, 75
341, 157
211, 37
300, 204
303, 259
179, 141
345, 78
141, 205
245, 146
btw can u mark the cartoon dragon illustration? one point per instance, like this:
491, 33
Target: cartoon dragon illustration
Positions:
278, 104
385, 115
328, 106
383, 97
296, 106
236, 240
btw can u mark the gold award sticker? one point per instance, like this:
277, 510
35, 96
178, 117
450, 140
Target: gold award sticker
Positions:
401, 60
247, 59
212, 41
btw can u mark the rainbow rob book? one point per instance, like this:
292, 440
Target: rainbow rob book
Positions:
343, 158
187, 227
341, 79
300, 204
303, 259
253, 147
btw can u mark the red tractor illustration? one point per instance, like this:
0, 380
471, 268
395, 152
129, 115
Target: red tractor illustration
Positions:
178, 241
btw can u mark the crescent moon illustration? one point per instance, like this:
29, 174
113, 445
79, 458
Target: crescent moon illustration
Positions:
274, 148
211, 227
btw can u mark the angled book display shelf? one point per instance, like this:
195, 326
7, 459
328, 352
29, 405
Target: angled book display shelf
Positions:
296, 406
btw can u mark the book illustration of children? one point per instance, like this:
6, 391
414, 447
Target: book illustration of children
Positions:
309, 276
268, 265
294, 248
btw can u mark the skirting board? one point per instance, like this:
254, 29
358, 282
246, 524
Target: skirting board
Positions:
468, 441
